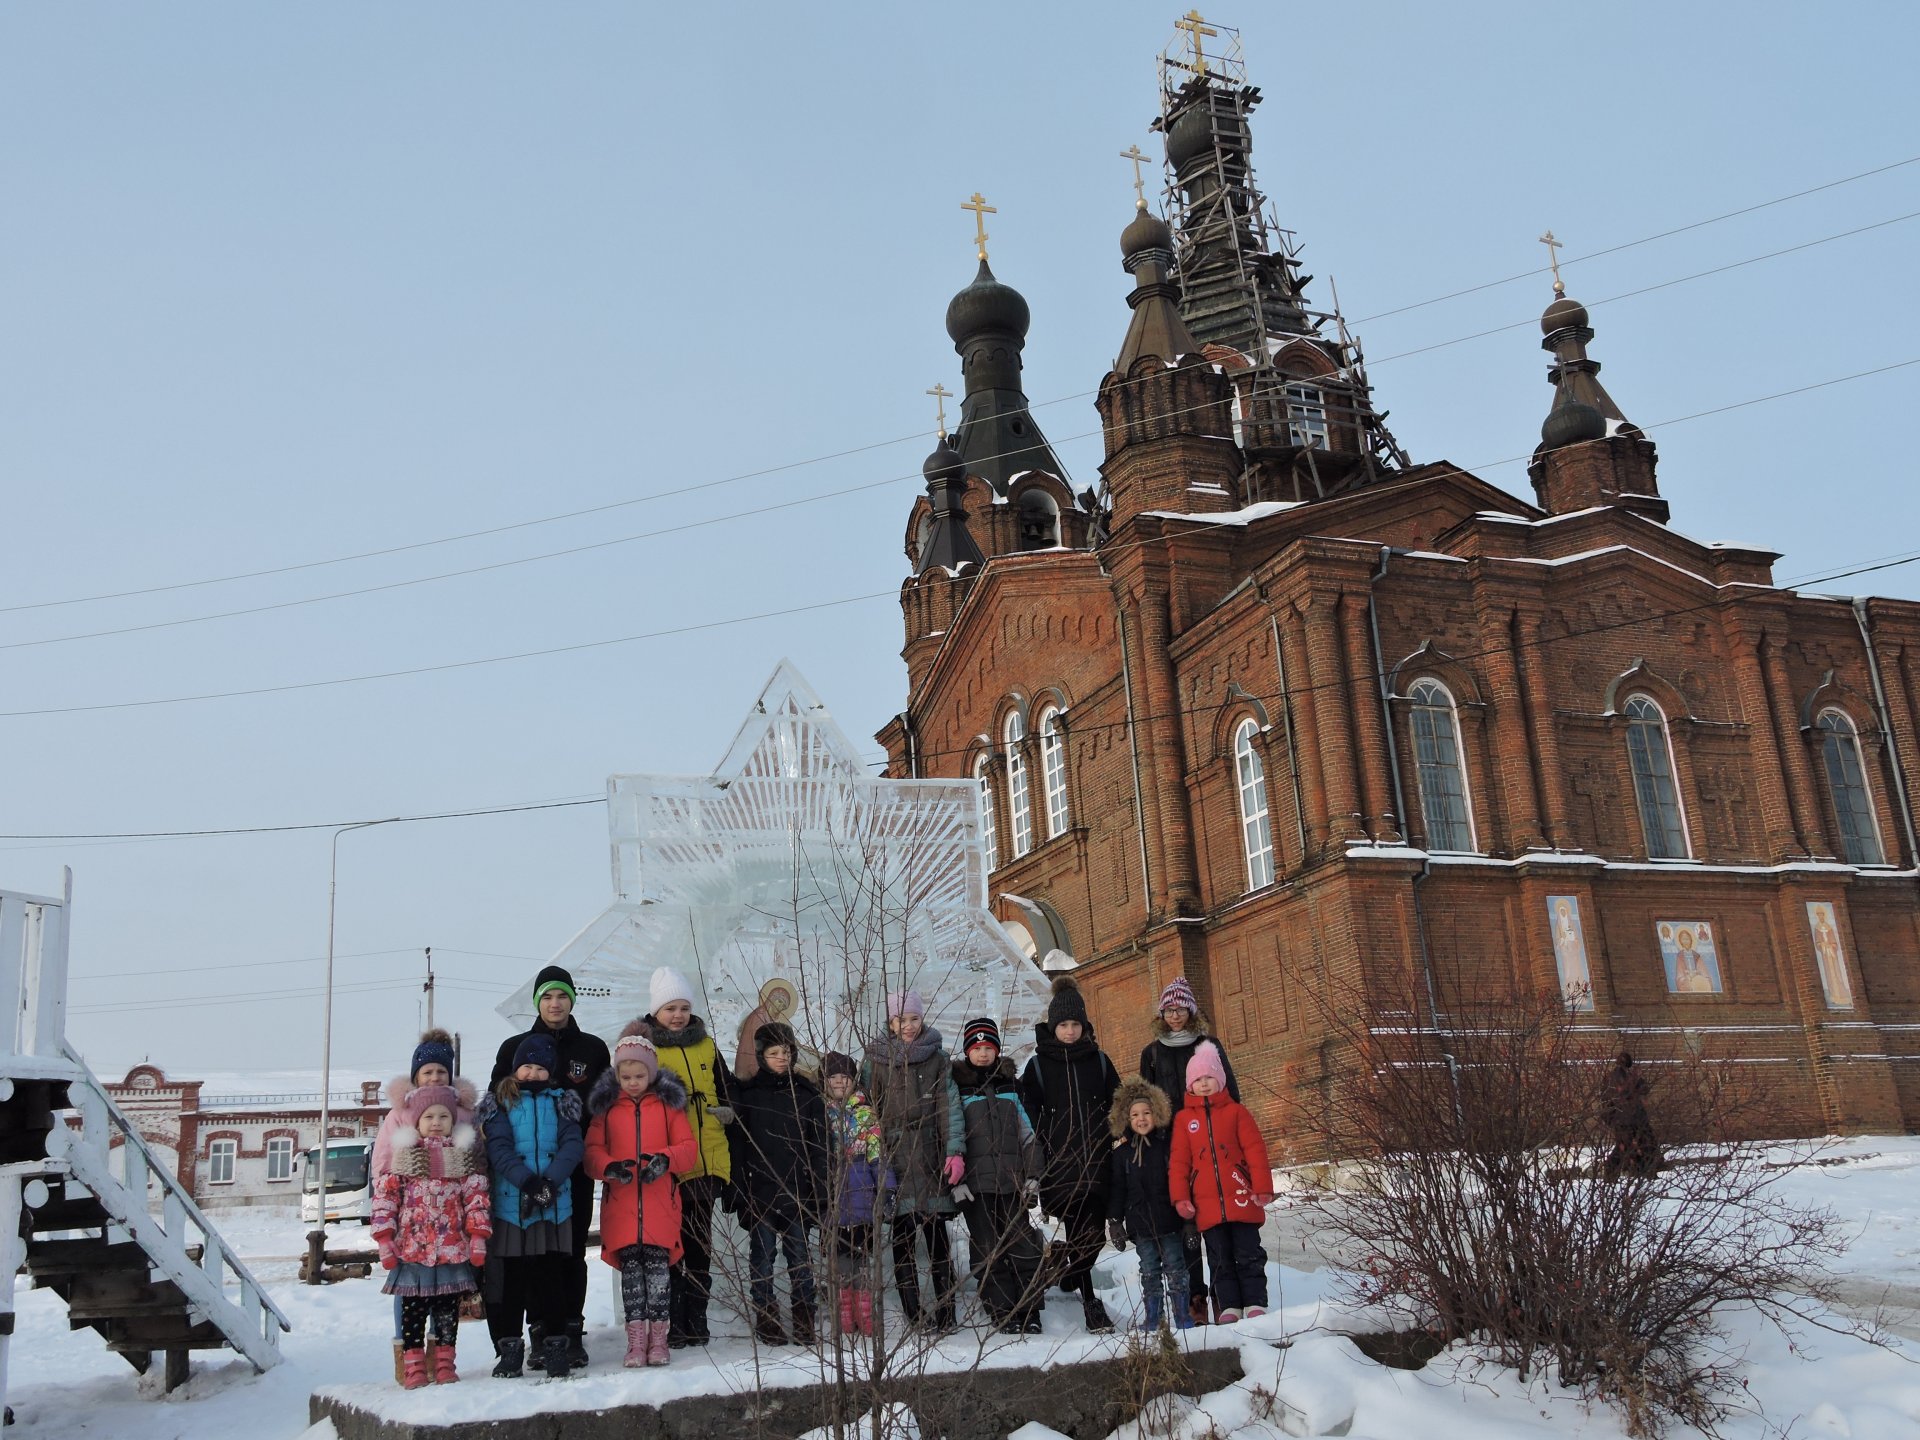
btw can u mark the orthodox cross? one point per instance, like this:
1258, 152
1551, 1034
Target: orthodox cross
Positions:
1132, 153
1195, 28
940, 395
1553, 259
978, 205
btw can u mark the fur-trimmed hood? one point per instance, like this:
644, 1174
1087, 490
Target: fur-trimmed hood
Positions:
564, 1101
1196, 1027
458, 1158
969, 1079
1133, 1090
606, 1090
665, 1039
402, 1086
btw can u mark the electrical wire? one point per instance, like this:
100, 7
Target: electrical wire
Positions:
323, 825
785, 612
902, 439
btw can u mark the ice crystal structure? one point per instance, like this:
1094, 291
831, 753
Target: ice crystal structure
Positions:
793, 884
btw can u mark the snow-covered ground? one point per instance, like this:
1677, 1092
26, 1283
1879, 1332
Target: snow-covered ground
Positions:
65, 1385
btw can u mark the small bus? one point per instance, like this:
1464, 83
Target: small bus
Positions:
349, 1183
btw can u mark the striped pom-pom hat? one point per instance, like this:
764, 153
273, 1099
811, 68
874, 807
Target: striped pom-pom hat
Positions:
1179, 992
979, 1032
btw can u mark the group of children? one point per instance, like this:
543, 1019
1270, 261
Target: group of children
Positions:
484, 1198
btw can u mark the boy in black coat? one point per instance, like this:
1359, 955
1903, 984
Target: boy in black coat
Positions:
779, 1158
1138, 1205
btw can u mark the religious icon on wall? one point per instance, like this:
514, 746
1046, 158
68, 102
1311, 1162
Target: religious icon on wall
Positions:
1692, 961
1828, 955
1570, 950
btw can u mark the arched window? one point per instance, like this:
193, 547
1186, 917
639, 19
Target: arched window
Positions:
1443, 783
1039, 521
1053, 772
1019, 803
1651, 757
989, 833
1256, 829
1847, 783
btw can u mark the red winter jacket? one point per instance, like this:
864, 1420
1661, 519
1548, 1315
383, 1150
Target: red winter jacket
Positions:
636, 1213
1219, 1162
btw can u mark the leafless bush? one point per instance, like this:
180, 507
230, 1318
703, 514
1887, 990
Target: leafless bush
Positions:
1478, 1204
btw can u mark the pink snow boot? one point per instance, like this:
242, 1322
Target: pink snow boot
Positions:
639, 1332
657, 1350
414, 1368
443, 1371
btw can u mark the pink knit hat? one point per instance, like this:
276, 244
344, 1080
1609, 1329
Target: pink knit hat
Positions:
423, 1098
1206, 1061
905, 1002
636, 1044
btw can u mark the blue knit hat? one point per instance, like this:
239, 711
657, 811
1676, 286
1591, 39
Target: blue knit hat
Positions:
536, 1050
435, 1048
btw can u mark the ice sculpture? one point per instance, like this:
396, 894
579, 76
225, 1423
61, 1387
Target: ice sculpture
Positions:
794, 884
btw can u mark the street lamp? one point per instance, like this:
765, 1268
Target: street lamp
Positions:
317, 1237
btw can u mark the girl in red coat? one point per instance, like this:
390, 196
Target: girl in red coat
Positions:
1219, 1177
639, 1137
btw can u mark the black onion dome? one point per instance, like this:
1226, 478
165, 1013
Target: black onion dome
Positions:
944, 463
1147, 231
986, 305
1563, 314
1571, 423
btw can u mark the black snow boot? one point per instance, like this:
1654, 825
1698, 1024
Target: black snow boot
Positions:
553, 1358
513, 1356
803, 1325
1098, 1321
577, 1347
767, 1328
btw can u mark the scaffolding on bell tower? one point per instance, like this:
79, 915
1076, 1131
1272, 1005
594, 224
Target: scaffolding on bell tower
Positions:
1303, 404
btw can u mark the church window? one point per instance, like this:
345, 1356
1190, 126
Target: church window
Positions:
1256, 828
1650, 755
1019, 802
1039, 521
220, 1157
1307, 416
1053, 772
989, 836
1443, 781
1847, 783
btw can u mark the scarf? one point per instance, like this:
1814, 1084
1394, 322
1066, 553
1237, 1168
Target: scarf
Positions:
1180, 1039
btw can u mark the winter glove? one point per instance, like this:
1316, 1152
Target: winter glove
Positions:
729, 1200
1185, 1207
652, 1167
477, 1253
539, 1194
962, 1194
619, 1172
389, 1257
1263, 1198
1117, 1234
956, 1169
1030, 1192
722, 1113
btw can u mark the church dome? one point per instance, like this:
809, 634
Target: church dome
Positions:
1563, 314
1191, 134
1571, 423
1147, 231
944, 463
987, 305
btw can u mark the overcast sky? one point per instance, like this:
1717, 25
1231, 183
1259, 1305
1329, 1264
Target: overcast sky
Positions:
280, 285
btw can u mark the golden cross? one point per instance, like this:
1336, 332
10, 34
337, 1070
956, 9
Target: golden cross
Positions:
1553, 259
1139, 185
1195, 28
978, 204
940, 395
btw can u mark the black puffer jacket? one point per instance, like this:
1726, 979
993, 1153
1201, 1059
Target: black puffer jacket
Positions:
1165, 1064
1066, 1089
1000, 1150
1137, 1166
779, 1147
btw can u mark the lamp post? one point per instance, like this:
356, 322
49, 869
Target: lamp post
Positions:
317, 1237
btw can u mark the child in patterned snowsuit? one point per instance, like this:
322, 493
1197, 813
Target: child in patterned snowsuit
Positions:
431, 1220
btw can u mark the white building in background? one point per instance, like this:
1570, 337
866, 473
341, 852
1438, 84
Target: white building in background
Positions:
239, 1149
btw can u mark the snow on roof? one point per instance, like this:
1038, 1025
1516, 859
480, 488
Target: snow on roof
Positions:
1609, 550
1245, 516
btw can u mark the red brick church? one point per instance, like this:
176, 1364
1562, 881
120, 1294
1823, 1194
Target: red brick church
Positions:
1281, 710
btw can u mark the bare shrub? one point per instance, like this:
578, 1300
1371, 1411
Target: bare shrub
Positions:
1477, 1202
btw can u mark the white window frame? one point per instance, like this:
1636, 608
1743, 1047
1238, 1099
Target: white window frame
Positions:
1429, 697
280, 1145
1256, 819
1640, 717
225, 1149
1307, 415
1019, 796
1053, 771
1836, 728
989, 831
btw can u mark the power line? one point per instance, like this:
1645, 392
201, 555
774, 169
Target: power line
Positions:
785, 612
902, 439
237, 965
321, 825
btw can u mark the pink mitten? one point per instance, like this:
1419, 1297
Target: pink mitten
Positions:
478, 1253
1262, 1200
389, 1257
956, 1169
1185, 1207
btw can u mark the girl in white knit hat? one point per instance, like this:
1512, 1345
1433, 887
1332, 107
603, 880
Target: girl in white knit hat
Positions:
687, 1052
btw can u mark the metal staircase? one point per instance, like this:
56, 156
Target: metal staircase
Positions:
78, 1185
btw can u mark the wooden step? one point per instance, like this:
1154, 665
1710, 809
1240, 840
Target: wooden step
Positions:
47, 1259
155, 1333
119, 1295
81, 1212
